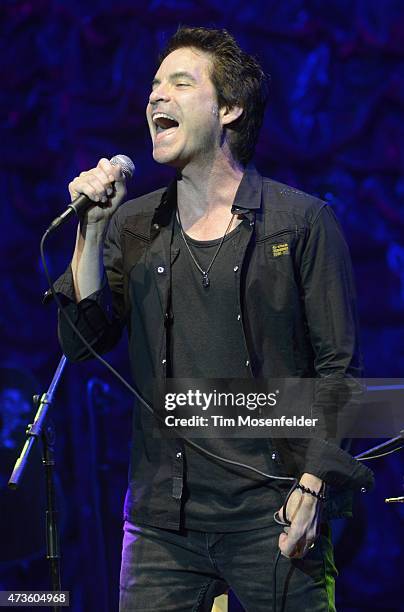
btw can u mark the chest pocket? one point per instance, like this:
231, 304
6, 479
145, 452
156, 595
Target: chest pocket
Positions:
273, 283
283, 242
283, 250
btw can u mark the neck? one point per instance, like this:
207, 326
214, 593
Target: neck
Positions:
207, 189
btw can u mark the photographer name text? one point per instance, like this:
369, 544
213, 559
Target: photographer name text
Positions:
215, 420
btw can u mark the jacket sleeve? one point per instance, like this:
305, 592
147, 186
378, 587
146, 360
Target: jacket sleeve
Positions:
100, 317
329, 298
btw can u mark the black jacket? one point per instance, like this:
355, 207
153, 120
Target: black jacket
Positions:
297, 300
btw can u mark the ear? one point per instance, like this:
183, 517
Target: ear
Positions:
228, 115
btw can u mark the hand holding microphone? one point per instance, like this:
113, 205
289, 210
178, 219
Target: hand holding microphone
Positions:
98, 192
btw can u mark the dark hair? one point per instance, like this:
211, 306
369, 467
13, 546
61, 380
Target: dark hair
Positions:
238, 79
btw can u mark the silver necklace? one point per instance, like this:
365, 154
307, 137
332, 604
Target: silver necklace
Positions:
205, 273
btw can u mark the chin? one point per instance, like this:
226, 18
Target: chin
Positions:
166, 157
162, 158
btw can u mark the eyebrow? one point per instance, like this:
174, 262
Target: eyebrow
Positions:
176, 75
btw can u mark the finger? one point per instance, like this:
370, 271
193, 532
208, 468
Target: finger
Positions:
282, 541
88, 184
292, 542
112, 171
294, 537
72, 190
103, 177
302, 551
98, 187
298, 552
83, 186
283, 545
108, 189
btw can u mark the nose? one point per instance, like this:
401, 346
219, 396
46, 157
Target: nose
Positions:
159, 94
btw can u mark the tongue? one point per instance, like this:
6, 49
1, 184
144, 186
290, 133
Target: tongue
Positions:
165, 123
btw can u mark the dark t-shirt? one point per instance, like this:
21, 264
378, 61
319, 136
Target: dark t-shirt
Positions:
207, 341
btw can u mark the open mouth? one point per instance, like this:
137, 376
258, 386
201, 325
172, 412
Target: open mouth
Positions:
164, 123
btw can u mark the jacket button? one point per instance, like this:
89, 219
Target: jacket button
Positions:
247, 363
156, 226
168, 317
235, 268
160, 269
164, 361
179, 455
238, 317
273, 456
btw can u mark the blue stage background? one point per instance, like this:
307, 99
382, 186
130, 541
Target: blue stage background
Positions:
75, 78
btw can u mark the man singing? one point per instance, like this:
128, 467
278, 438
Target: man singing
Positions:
223, 274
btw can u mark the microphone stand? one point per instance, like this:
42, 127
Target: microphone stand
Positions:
34, 431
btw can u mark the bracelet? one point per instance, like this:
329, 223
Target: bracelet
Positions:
320, 496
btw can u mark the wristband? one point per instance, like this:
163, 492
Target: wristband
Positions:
320, 496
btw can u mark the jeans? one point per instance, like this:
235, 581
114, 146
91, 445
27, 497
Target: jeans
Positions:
167, 571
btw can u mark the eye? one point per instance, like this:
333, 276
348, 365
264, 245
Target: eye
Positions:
182, 84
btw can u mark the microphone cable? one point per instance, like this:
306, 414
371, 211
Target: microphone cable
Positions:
133, 390
150, 409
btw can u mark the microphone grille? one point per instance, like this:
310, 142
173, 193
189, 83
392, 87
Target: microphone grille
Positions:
125, 163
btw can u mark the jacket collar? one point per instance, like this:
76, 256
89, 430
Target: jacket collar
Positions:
248, 197
249, 192
163, 211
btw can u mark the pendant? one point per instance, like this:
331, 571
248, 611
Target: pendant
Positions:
205, 280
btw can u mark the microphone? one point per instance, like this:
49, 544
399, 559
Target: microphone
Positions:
82, 202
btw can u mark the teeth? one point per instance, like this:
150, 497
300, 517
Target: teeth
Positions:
163, 115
